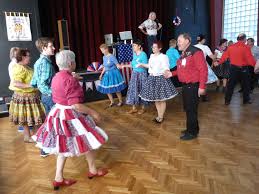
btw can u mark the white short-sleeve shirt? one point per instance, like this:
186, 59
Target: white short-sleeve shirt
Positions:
150, 26
205, 49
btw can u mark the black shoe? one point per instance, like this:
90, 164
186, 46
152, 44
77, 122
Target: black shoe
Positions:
43, 154
204, 98
188, 136
183, 132
227, 103
240, 91
247, 102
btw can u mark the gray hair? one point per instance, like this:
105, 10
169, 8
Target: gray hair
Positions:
64, 58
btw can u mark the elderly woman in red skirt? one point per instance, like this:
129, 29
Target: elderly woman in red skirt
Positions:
70, 128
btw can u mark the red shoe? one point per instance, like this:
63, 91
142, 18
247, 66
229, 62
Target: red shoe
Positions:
65, 182
100, 172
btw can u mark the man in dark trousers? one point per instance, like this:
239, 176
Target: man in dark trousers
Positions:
192, 72
241, 58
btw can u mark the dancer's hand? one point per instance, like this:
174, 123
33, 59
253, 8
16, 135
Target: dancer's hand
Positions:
167, 74
100, 77
78, 77
201, 92
215, 64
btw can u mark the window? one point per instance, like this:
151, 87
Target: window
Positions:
240, 17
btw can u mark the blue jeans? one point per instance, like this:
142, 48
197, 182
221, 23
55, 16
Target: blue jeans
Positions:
150, 40
47, 102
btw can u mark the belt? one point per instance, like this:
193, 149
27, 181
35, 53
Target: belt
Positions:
190, 84
240, 67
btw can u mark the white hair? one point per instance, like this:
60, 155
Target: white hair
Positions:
64, 58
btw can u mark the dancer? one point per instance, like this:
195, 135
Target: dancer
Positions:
137, 80
158, 89
70, 127
43, 74
206, 52
192, 71
26, 108
111, 78
241, 58
173, 56
222, 71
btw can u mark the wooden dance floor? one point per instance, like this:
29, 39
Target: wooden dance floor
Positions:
148, 158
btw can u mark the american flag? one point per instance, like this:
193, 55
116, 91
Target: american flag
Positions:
124, 53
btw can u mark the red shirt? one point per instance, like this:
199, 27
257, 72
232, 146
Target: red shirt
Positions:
192, 67
239, 54
66, 89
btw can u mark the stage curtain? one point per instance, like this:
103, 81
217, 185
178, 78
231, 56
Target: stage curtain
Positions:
89, 20
216, 17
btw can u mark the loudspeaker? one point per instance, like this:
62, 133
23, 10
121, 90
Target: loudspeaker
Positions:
63, 35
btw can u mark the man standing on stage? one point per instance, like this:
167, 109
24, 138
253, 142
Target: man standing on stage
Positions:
241, 58
192, 72
151, 26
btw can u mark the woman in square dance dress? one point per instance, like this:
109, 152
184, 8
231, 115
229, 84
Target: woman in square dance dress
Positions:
26, 109
111, 78
222, 71
207, 52
70, 127
157, 88
138, 78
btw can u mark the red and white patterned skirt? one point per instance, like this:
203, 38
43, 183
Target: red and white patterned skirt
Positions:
69, 133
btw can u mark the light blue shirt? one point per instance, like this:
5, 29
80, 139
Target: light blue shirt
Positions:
109, 62
173, 56
137, 59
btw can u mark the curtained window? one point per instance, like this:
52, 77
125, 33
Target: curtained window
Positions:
240, 17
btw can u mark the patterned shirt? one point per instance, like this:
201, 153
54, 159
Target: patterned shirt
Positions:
43, 74
151, 27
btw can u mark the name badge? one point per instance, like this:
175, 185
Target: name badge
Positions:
184, 62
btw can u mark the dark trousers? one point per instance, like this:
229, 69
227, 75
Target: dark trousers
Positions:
150, 41
236, 74
190, 104
253, 78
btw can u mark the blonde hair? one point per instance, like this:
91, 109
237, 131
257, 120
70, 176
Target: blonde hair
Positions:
103, 46
172, 42
13, 53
